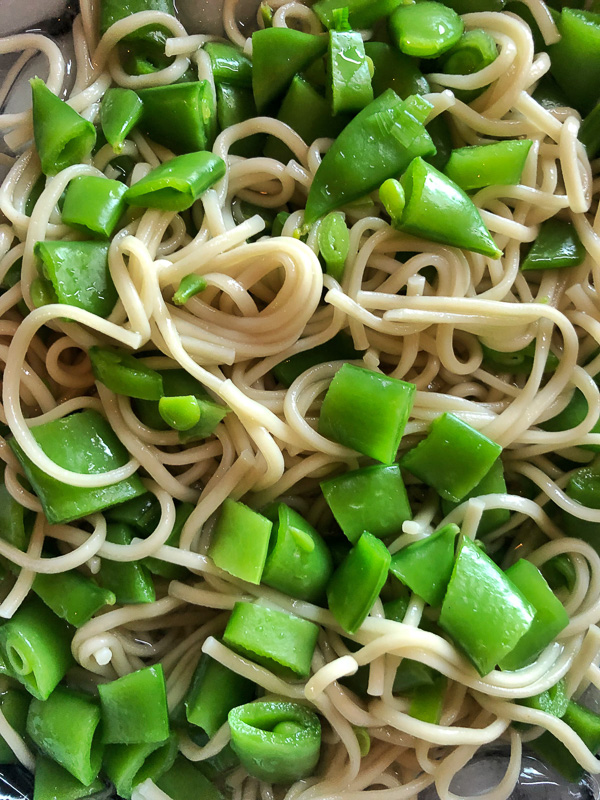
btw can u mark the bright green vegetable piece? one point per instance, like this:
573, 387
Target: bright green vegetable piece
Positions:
372, 498
120, 112
379, 143
394, 70
82, 442
483, 611
339, 348
14, 704
36, 646
553, 701
589, 132
276, 741
426, 566
142, 512
52, 782
584, 488
164, 568
559, 571
229, 64
130, 581
62, 136
240, 541
179, 383
361, 13
452, 458
474, 51
72, 596
277, 55
550, 616
439, 210
308, 113
16, 522
184, 780
573, 413
52, 723
214, 691
298, 560
134, 708
124, 374
34, 195
189, 286
334, 243
393, 198
177, 184
428, 701
492, 483
557, 245
349, 76
94, 205
180, 413
586, 724
281, 642
180, 116
366, 411
129, 764
112, 11
425, 30
236, 104
356, 583
490, 164
577, 54
79, 274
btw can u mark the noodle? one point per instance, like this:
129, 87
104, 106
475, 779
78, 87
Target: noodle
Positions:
266, 300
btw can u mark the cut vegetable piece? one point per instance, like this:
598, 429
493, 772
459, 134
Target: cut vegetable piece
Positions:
134, 708
453, 457
180, 116
516, 361
276, 741
72, 596
437, 209
14, 704
184, 780
120, 111
240, 541
500, 164
62, 136
124, 374
572, 414
229, 64
339, 348
427, 702
553, 701
214, 691
94, 205
577, 54
426, 566
492, 483
52, 782
483, 611
277, 55
82, 442
36, 646
586, 724
79, 274
126, 765
51, 723
474, 51
557, 245
425, 30
349, 76
361, 13
236, 104
356, 583
334, 243
129, 580
550, 616
298, 561
379, 143
366, 411
175, 185
584, 488
394, 70
281, 642
372, 498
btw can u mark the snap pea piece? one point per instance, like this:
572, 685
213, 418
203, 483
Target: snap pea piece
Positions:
281, 642
240, 541
276, 741
14, 704
474, 51
589, 132
357, 582
164, 568
72, 596
112, 11
120, 112
498, 164
53, 782
577, 55
452, 458
189, 286
349, 76
180, 116
586, 724
334, 243
62, 136
126, 765
134, 708
82, 442
366, 411
361, 13
372, 498
124, 374
51, 724
394, 70
214, 691
428, 701
94, 205
574, 412
236, 104
185, 780
426, 566
229, 64
129, 581
425, 30
557, 245
338, 348
492, 483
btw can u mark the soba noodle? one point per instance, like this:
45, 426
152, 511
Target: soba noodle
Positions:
262, 305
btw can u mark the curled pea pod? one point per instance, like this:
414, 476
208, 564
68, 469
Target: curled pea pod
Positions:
62, 136
276, 741
435, 208
177, 184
